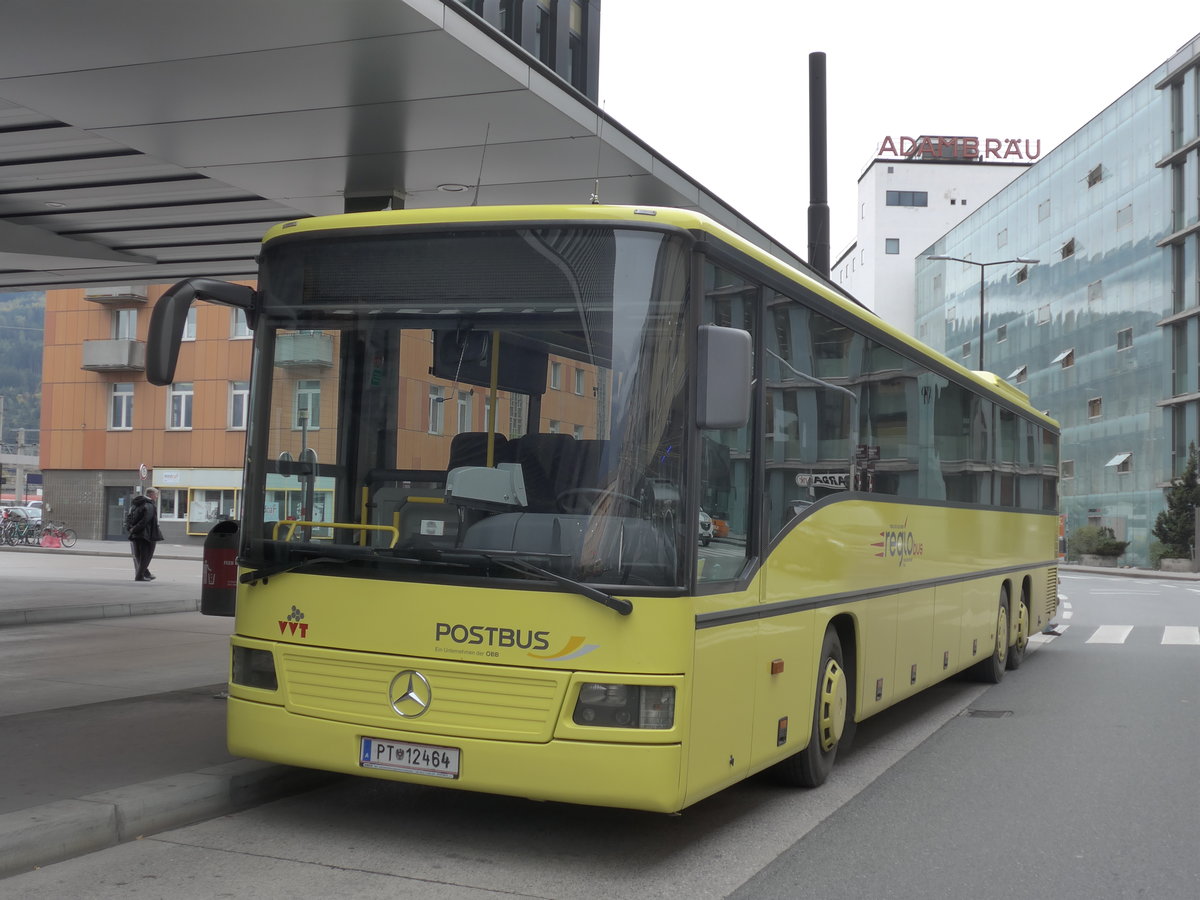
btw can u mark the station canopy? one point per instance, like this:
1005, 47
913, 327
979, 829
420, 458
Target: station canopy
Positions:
148, 142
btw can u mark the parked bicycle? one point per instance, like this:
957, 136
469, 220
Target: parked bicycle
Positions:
65, 535
19, 530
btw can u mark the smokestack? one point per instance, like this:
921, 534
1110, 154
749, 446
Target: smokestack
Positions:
818, 156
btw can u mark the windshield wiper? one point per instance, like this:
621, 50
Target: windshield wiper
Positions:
519, 562
330, 554
279, 568
620, 604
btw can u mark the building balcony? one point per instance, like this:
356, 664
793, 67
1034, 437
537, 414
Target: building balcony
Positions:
117, 296
114, 356
305, 348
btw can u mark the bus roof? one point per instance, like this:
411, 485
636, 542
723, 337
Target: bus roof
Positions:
648, 216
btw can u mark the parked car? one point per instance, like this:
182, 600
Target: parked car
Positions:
32, 513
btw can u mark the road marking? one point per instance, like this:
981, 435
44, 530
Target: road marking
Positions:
1181, 634
1110, 634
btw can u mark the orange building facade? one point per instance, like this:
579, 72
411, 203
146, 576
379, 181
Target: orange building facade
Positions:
108, 434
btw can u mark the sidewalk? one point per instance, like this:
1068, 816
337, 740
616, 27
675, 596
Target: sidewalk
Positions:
82, 808
82, 774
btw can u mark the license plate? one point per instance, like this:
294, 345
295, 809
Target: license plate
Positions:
416, 759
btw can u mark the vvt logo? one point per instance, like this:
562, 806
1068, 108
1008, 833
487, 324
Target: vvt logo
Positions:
898, 542
293, 623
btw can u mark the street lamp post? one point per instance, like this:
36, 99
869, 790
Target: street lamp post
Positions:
982, 270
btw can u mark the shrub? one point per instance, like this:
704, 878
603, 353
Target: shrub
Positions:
1094, 540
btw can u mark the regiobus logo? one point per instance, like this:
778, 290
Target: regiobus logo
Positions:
898, 542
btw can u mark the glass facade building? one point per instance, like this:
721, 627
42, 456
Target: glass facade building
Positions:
1103, 331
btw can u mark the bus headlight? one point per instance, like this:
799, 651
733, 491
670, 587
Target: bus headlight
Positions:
625, 706
254, 668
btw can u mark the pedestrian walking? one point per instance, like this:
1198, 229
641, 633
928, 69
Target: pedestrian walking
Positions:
144, 533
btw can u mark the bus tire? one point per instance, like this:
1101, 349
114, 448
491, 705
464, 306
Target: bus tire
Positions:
812, 765
991, 670
1016, 653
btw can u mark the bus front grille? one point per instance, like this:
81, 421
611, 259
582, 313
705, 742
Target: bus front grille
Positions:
465, 699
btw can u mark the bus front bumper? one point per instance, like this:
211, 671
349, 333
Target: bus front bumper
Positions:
629, 776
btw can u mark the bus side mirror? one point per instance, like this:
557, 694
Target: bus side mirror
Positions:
170, 316
726, 377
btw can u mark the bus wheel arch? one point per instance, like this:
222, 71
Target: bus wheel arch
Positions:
832, 724
991, 669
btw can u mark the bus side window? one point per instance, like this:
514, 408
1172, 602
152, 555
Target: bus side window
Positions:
811, 409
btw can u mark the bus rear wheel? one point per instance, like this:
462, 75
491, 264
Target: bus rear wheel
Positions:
812, 765
1016, 653
991, 670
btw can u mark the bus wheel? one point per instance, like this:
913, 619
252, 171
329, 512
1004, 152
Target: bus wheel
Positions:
991, 670
1016, 653
812, 765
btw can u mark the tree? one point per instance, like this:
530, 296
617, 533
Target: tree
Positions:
1176, 525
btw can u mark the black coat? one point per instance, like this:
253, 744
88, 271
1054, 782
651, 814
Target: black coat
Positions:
143, 520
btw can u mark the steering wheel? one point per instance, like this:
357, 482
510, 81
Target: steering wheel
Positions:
573, 500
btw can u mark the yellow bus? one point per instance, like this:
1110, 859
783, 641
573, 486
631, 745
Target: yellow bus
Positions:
604, 505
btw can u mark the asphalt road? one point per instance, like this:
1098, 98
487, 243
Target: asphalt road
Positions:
1076, 777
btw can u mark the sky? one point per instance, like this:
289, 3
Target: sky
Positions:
720, 89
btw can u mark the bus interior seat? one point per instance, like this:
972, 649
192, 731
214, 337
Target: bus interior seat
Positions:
419, 518
540, 456
469, 448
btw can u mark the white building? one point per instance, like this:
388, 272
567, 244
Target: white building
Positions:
912, 193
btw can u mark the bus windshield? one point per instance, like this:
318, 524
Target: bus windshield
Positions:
500, 403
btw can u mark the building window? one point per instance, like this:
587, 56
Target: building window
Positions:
891, 245
579, 382
1095, 291
1066, 359
239, 328
124, 324
1122, 462
907, 198
1068, 469
575, 47
578, 432
239, 397
544, 32
189, 325
436, 415
1043, 210
1001, 334
121, 417
306, 408
1022, 274
1002, 238
1125, 215
464, 411
951, 313
517, 414
179, 406
172, 504
1094, 408
1124, 339
556, 376
510, 18
1043, 314
1094, 176
1018, 376
1068, 249
554, 427
966, 349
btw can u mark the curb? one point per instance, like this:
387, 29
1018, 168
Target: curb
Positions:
49, 614
54, 832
